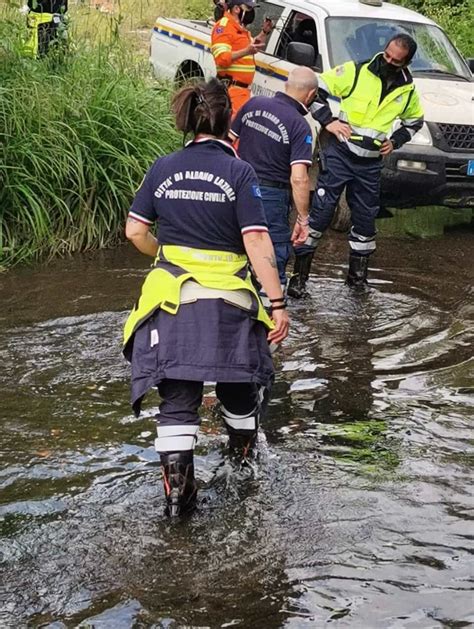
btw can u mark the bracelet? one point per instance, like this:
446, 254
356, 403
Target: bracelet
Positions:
272, 301
302, 221
282, 307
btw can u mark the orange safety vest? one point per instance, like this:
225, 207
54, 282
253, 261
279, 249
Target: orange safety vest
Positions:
227, 37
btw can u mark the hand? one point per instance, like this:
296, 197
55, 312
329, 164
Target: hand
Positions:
267, 26
387, 147
339, 129
300, 234
282, 323
255, 47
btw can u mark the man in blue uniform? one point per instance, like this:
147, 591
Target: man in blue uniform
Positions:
276, 140
373, 95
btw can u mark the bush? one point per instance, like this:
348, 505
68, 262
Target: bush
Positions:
77, 133
454, 16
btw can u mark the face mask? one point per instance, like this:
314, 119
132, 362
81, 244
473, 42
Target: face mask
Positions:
247, 16
388, 70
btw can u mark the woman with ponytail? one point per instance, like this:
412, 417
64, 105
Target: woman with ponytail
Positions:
199, 317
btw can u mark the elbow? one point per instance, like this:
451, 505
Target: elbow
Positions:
255, 238
223, 61
299, 182
254, 242
131, 233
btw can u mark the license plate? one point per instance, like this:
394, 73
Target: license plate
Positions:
470, 168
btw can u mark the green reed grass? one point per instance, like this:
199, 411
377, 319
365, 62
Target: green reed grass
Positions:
77, 133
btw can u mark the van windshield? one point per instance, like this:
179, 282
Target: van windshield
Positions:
359, 39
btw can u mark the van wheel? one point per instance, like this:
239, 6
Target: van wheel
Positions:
342, 218
188, 72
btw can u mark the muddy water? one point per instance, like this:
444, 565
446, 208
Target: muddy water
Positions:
359, 513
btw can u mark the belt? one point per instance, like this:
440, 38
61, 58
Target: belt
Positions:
230, 81
274, 184
192, 291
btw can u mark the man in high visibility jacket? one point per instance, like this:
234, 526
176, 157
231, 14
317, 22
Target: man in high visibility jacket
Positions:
233, 49
46, 26
373, 95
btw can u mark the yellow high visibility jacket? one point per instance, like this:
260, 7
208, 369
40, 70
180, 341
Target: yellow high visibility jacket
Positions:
209, 268
371, 117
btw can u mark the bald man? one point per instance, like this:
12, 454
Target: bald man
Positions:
277, 141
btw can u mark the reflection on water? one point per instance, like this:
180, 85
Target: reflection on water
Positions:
359, 512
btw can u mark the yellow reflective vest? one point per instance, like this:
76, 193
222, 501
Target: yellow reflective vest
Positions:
209, 268
361, 106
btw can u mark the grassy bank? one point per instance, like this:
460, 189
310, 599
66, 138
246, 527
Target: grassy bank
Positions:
77, 134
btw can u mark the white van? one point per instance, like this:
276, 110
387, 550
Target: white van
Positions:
437, 166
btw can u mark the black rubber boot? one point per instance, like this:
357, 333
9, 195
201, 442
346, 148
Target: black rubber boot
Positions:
242, 445
297, 282
179, 483
357, 274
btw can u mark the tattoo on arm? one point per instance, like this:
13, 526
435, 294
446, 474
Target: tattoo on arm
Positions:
272, 260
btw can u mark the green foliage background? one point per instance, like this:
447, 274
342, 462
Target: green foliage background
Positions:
78, 131
456, 17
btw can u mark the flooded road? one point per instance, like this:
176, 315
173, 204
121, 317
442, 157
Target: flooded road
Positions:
360, 513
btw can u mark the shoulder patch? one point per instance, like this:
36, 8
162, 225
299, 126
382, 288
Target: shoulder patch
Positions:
223, 21
340, 70
308, 139
256, 192
219, 30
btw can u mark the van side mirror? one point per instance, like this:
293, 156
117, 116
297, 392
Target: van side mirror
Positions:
470, 63
301, 54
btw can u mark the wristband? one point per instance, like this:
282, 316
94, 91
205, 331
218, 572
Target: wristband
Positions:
302, 221
281, 307
272, 301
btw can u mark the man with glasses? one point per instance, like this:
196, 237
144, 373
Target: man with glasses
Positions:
372, 96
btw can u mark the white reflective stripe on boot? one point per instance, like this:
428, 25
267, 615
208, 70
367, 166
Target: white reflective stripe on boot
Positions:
176, 438
241, 422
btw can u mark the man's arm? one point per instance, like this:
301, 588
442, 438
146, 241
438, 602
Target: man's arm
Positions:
221, 47
336, 82
300, 186
267, 28
411, 119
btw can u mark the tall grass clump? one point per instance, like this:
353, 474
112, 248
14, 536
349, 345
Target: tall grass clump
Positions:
77, 132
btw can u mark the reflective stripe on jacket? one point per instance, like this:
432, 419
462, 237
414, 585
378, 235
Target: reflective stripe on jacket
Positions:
34, 21
212, 269
362, 106
229, 36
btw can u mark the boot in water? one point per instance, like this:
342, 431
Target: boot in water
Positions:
242, 447
357, 274
179, 483
297, 282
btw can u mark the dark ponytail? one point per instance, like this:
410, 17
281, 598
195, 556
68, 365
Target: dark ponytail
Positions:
203, 108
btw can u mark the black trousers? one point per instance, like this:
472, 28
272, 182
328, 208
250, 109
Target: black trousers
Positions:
178, 420
181, 400
361, 179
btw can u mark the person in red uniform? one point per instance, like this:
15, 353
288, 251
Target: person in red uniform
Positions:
233, 49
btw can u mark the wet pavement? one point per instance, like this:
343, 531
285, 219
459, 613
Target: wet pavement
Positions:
358, 514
